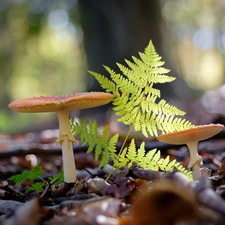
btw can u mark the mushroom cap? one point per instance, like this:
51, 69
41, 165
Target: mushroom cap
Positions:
196, 133
59, 103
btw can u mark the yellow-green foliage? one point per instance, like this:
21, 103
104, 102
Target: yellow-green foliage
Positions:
100, 145
151, 160
106, 148
136, 101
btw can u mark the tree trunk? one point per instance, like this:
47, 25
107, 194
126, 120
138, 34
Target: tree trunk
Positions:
115, 30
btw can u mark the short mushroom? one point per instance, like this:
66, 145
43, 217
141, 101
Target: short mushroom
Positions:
191, 137
62, 105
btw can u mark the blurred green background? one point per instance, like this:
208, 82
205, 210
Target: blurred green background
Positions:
46, 46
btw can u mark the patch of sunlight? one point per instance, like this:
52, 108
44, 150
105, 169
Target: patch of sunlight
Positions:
191, 6
50, 41
196, 32
58, 19
23, 85
211, 70
169, 8
69, 33
208, 73
201, 69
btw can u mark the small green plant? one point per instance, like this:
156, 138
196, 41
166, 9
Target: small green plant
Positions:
32, 175
37, 171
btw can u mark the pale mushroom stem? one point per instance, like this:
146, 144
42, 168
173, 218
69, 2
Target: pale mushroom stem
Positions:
67, 140
195, 159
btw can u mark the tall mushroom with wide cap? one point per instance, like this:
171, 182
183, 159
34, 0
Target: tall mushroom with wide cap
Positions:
62, 105
191, 137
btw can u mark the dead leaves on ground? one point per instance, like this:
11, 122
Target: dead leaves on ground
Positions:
170, 200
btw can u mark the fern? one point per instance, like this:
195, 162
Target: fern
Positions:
59, 177
36, 172
38, 186
100, 146
151, 160
106, 147
136, 101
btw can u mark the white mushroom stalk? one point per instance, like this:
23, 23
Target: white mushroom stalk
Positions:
66, 140
195, 159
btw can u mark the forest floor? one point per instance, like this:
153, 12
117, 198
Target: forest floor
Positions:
131, 196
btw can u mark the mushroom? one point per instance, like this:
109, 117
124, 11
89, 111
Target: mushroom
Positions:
62, 105
191, 137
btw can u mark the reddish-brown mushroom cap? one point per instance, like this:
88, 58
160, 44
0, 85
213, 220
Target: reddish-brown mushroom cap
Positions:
76, 101
197, 133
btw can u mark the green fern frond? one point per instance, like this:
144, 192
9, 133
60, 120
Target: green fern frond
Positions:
112, 146
164, 164
122, 160
148, 157
151, 160
36, 172
136, 101
131, 153
59, 177
101, 146
38, 186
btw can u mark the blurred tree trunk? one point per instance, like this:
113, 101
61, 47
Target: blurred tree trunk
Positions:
115, 30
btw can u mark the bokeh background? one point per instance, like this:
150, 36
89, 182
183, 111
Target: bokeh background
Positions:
47, 46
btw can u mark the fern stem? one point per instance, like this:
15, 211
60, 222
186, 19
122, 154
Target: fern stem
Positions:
125, 140
121, 150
